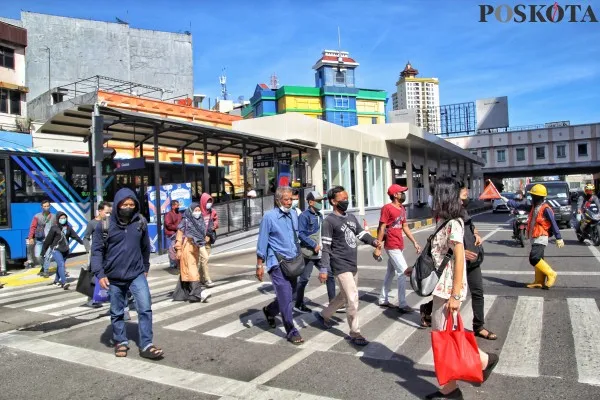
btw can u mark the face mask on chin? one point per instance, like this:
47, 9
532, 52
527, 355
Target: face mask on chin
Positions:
284, 209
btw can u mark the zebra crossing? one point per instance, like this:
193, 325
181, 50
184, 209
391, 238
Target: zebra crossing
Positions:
233, 313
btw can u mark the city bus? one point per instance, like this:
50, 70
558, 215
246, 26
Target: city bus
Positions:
28, 176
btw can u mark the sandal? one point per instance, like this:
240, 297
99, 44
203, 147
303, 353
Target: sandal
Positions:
121, 350
270, 318
359, 340
152, 353
490, 335
296, 339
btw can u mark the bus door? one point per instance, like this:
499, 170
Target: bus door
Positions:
4, 193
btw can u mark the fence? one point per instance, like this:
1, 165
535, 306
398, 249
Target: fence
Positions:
231, 214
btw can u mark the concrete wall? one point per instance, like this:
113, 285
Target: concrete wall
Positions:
82, 48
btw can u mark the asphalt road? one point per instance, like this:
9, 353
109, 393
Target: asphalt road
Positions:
53, 348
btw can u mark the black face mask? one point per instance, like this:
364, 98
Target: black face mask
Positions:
402, 198
465, 202
176, 209
343, 205
126, 213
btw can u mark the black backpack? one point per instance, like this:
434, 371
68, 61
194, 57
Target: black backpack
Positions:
425, 274
142, 227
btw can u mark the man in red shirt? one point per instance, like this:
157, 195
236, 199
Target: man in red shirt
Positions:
391, 224
172, 220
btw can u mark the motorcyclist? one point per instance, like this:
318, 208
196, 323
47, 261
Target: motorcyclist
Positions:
520, 202
540, 226
585, 202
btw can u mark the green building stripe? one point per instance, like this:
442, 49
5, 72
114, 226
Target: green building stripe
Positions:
297, 91
255, 102
341, 110
371, 113
365, 94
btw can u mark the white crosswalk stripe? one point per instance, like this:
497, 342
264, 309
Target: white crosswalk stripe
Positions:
585, 317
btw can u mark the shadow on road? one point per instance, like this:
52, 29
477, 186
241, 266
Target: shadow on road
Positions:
506, 282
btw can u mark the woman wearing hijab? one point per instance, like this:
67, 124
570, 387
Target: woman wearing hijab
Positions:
58, 241
211, 224
190, 238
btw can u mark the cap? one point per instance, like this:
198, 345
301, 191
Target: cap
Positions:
314, 195
392, 190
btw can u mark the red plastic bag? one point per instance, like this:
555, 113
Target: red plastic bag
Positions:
455, 354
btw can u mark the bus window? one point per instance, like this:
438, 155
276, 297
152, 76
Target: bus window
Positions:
3, 194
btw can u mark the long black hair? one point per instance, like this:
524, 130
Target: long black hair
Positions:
446, 199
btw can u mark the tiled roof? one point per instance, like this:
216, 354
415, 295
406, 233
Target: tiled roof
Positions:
264, 86
335, 59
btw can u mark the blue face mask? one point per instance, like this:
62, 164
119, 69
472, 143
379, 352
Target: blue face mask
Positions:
62, 221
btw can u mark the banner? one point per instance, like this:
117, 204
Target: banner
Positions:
490, 192
182, 192
285, 177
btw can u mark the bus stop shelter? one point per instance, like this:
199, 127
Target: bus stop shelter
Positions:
84, 114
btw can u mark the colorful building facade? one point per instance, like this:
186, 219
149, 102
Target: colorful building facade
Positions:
334, 98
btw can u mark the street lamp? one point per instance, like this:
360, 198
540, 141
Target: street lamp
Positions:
49, 76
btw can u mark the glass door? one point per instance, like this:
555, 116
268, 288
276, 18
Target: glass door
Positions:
4, 193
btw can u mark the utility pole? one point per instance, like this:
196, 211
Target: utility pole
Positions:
98, 141
49, 76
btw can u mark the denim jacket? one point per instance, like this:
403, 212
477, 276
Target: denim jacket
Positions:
308, 224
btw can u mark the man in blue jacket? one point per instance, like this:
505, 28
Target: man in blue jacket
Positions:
309, 233
120, 261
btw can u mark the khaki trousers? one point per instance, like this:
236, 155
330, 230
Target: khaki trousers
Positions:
203, 263
348, 295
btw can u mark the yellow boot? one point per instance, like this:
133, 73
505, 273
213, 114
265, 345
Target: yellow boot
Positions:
548, 271
539, 280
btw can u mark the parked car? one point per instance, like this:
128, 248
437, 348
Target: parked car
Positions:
559, 198
499, 205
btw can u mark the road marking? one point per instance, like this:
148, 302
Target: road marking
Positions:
47, 307
585, 319
60, 294
595, 252
234, 327
489, 235
521, 351
321, 342
384, 346
152, 372
562, 273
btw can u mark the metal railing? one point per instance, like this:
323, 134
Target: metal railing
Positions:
232, 218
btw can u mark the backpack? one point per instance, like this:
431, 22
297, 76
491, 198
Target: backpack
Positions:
40, 229
425, 274
469, 241
142, 227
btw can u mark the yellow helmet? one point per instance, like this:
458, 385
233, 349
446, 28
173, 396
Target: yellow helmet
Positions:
589, 188
538, 190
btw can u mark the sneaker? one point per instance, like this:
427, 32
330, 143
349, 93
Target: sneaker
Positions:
386, 304
405, 310
65, 286
205, 295
209, 284
456, 394
302, 309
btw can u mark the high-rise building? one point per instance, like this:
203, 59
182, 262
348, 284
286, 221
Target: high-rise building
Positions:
420, 94
334, 98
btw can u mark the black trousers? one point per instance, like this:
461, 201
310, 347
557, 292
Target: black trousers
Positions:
475, 282
537, 253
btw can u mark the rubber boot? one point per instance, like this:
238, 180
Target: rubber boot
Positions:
539, 280
549, 272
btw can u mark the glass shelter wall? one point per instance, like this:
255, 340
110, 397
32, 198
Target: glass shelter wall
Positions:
374, 180
339, 169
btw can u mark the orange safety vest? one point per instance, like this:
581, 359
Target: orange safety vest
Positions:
542, 225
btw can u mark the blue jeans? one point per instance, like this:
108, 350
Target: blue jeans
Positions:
143, 303
305, 277
59, 258
284, 294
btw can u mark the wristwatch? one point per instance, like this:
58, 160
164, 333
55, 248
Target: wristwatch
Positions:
456, 296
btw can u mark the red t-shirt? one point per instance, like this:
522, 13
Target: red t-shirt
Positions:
393, 218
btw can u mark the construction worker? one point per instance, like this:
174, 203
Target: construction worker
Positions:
540, 226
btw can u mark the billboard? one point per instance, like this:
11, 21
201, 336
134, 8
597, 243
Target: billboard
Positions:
406, 115
492, 113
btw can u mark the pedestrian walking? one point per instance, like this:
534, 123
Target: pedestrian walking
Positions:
310, 223
474, 257
540, 226
211, 224
120, 262
190, 239
451, 289
340, 231
296, 201
38, 229
104, 210
278, 242
57, 242
172, 220
392, 222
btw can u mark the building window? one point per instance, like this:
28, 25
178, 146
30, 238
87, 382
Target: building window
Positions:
484, 155
582, 150
340, 78
501, 155
540, 153
7, 57
373, 120
520, 154
342, 102
373, 178
10, 101
561, 151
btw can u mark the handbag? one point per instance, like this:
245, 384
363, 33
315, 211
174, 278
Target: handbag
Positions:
292, 268
84, 283
469, 240
100, 295
455, 353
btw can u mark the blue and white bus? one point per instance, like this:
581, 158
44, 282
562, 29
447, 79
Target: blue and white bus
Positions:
28, 176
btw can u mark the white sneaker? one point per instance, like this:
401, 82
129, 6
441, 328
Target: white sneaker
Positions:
205, 295
209, 284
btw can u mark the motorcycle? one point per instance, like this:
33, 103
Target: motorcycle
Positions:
589, 228
520, 228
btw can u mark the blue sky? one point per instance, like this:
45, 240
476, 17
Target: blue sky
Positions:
549, 72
